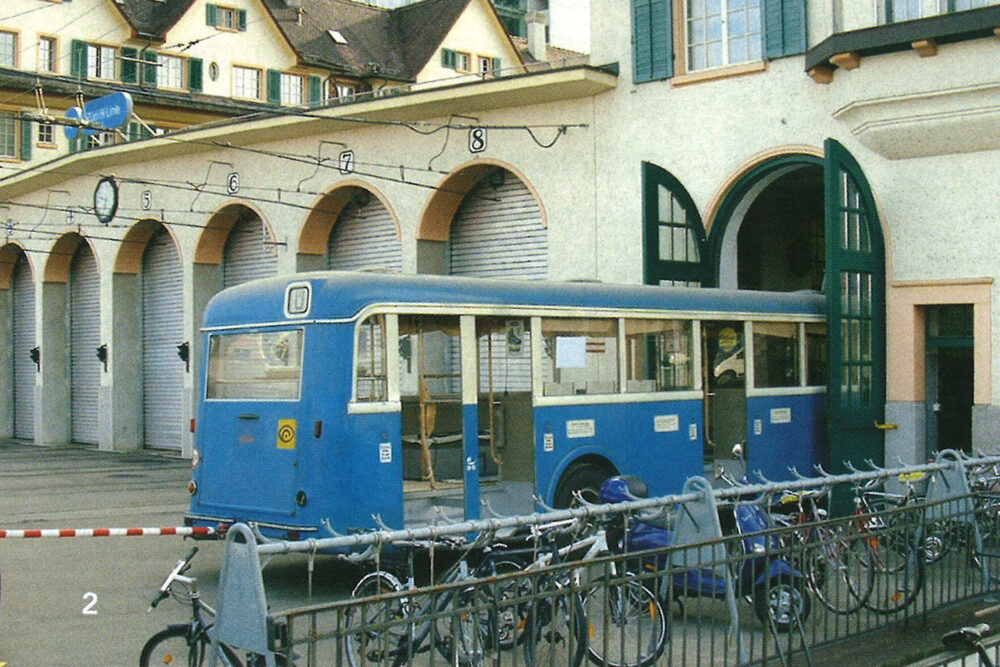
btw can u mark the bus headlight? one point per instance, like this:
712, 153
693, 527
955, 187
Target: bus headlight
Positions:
195, 457
192, 487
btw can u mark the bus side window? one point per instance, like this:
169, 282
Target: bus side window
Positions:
776, 354
580, 356
658, 355
816, 354
370, 376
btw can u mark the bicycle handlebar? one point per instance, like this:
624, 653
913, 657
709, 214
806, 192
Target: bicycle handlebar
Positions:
182, 566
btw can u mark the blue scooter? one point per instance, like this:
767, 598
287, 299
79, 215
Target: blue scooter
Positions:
761, 575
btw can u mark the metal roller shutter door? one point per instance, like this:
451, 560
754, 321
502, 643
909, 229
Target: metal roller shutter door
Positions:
248, 254
498, 233
162, 332
23, 341
85, 337
364, 237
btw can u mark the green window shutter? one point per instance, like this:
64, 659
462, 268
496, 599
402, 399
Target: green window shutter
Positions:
26, 137
133, 131
274, 86
241, 18
78, 58
652, 40
211, 15
784, 27
194, 75
449, 58
315, 91
149, 71
130, 68
75, 145
496, 67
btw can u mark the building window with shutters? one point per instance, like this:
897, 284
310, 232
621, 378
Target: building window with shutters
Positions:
46, 135
717, 37
722, 32
47, 54
246, 82
225, 18
100, 61
291, 89
170, 73
8, 49
8, 135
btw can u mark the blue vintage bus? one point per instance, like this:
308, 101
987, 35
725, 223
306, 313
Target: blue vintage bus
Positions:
333, 398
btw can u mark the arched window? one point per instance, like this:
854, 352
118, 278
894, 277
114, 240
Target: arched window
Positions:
673, 234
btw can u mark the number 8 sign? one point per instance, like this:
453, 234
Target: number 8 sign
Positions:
477, 139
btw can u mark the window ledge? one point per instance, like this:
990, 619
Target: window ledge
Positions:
719, 73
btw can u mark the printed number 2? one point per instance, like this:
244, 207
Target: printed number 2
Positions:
90, 608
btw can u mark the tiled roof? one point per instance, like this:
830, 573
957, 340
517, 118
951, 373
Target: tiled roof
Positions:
153, 17
393, 43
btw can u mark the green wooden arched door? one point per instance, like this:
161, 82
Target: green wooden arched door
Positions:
855, 288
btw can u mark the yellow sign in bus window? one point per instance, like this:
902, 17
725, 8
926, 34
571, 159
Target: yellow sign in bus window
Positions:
286, 433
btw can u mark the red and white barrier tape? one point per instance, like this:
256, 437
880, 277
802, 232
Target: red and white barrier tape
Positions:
109, 532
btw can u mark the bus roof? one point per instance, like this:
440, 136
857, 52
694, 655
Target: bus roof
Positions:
342, 295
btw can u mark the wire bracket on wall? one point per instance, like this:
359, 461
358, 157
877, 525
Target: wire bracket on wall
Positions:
319, 160
199, 187
447, 135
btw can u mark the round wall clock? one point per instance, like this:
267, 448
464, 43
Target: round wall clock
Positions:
106, 199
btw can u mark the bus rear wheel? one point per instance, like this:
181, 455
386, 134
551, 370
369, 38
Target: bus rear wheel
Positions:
586, 478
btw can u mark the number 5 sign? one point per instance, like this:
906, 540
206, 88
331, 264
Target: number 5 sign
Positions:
477, 139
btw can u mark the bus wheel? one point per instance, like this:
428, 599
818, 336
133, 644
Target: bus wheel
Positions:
586, 478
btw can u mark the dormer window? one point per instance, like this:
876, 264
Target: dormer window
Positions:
226, 18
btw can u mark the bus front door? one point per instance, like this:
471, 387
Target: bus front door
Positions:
724, 379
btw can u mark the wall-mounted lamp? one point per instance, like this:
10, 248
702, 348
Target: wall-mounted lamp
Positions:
184, 352
36, 356
102, 355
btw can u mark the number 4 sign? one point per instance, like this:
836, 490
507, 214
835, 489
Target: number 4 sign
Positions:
477, 139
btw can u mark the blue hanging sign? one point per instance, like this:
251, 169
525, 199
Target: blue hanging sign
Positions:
107, 112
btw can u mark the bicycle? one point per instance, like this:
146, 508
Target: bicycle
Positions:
468, 617
626, 625
894, 529
834, 560
189, 644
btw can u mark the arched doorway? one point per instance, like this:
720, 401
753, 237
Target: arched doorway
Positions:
84, 300
364, 236
805, 222
484, 221
19, 315
162, 302
498, 231
249, 252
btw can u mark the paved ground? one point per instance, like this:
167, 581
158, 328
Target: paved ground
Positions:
68, 602
49, 586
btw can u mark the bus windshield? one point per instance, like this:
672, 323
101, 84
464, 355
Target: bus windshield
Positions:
261, 365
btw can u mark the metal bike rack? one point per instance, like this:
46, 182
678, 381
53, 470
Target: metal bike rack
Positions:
241, 618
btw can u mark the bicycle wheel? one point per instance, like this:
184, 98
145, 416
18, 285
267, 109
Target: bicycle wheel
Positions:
626, 623
173, 647
897, 560
837, 568
376, 630
486, 617
555, 628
